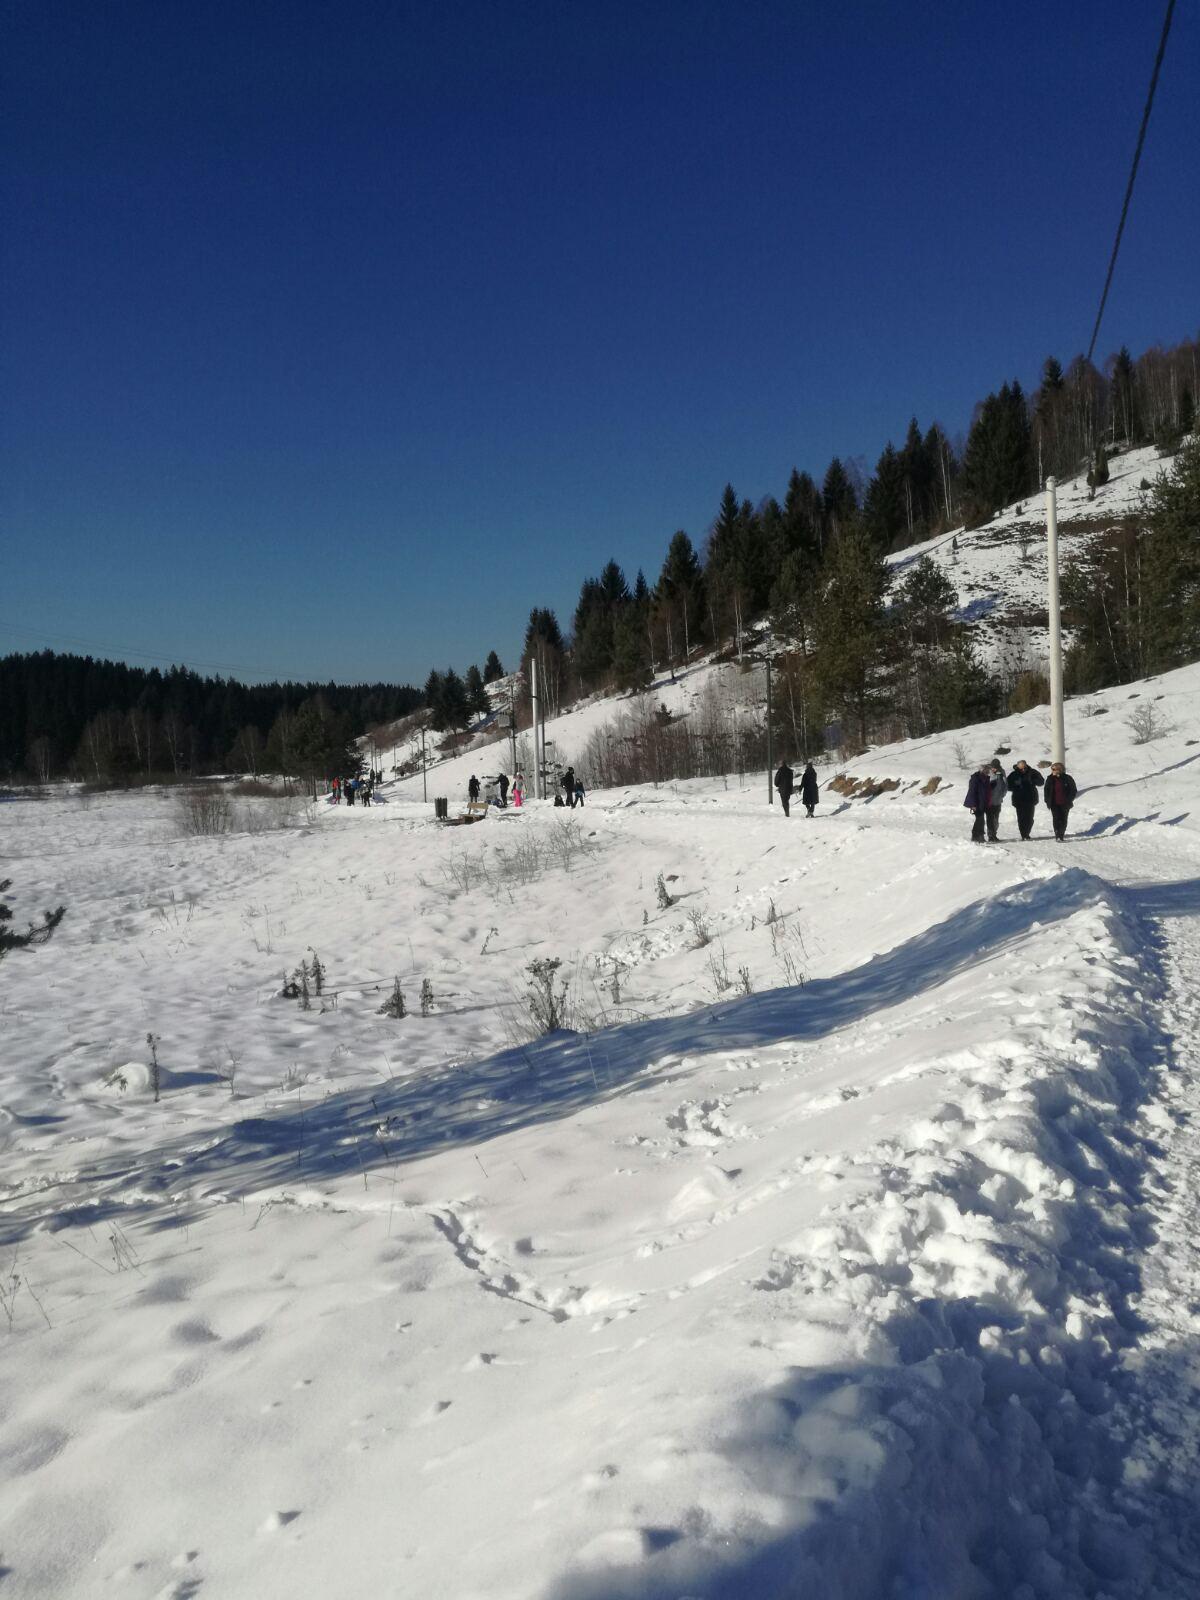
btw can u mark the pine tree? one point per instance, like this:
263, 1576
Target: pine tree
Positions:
884, 515
997, 466
456, 708
34, 934
803, 517
477, 697
434, 696
838, 498
492, 668
1123, 398
679, 597
850, 628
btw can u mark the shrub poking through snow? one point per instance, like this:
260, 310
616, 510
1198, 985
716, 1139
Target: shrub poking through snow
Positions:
426, 998
203, 811
545, 996
394, 1005
718, 971
745, 982
665, 898
1147, 723
155, 1075
701, 929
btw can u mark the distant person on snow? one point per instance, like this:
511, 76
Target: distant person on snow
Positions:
473, 788
1024, 782
999, 788
785, 782
979, 798
578, 792
568, 783
519, 790
1060, 795
810, 791
502, 781
350, 792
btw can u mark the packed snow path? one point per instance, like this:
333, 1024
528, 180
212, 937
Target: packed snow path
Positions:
880, 1283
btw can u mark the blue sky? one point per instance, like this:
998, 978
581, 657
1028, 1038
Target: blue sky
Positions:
334, 337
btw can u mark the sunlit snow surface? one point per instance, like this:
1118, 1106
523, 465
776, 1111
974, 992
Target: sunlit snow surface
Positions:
880, 1284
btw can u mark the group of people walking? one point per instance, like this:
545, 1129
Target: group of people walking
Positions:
989, 786
353, 789
785, 782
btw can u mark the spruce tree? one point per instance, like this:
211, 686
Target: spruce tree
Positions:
477, 697
492, 668
884, 516
838, 498
850, 628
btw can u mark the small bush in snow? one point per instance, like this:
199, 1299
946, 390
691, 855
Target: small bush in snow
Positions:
546, 995
203, 811
426, 997
1147, 723
718, 971
701, 929
665, 898
745, 983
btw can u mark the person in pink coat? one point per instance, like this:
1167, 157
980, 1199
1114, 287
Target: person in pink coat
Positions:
518, 790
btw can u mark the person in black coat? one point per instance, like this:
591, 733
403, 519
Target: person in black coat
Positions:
1060, 795
568, 783
1024, 782
810, 792
979, 798
473, 788
785, 782
502, 780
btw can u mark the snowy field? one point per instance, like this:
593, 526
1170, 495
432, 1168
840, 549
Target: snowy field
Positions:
845, 1245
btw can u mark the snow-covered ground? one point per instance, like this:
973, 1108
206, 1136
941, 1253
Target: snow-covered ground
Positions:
845, 1246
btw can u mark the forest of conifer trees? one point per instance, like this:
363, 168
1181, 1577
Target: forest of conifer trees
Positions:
812, 564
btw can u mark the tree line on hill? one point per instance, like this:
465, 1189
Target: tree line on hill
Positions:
107, 722
811, 565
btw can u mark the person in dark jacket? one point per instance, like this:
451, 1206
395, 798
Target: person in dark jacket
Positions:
999, 789
1024, 782
810, 792
1060, 792
502, 780
473, 788
785, 782
979, 798
568, 783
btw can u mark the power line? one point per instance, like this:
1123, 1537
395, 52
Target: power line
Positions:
1137, 156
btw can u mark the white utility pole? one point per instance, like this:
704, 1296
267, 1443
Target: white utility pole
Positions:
537, 725
1058, 738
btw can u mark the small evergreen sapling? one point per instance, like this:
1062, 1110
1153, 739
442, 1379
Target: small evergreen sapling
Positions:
426, 997
394, 1005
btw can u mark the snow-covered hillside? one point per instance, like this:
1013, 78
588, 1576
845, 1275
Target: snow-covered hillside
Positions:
999, 569
846, 1245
